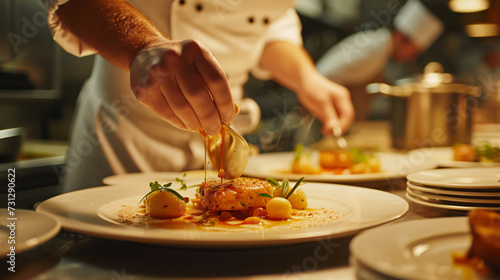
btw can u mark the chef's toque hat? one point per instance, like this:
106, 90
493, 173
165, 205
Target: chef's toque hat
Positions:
416, 22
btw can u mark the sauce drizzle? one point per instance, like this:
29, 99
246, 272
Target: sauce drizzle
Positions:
222, 172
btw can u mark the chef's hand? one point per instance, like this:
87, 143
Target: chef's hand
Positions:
292, 66
174, 78
328, 101
178, 79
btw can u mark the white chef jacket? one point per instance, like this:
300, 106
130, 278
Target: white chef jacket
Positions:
359, 58
112, 133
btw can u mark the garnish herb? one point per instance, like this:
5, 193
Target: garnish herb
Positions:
285, 186
295, 187
184, 186
155, 186
265, 195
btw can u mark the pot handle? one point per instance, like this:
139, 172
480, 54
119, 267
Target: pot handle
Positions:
388, 90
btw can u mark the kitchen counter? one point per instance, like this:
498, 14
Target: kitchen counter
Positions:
75, 256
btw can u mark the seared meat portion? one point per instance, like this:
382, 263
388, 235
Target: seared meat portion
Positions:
239, 194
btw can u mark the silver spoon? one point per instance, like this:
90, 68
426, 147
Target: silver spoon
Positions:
235, 152
337, 133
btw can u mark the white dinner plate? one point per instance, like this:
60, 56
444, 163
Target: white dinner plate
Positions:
26, 229
455, 192
144, 178
420, 249
361, 207
443, 156
458, 178
449, 206
450, 198
278, 166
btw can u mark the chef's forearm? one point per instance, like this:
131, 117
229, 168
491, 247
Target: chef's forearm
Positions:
114, 28
289, 64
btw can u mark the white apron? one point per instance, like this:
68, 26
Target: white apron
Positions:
113, 134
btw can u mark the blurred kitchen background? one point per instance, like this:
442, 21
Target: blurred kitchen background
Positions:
39, 82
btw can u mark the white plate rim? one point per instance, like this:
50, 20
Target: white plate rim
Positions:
447, 206
87, 221
451, 199
423, 177
460, 192
400, 236
284, 160
29, 234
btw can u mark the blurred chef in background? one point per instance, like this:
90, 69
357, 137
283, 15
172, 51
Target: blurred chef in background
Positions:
361, 58
167, 69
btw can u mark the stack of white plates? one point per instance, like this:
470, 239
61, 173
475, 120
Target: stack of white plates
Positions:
456, 188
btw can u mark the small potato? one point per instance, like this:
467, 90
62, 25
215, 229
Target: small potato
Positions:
298, 199
279, 208
164, 205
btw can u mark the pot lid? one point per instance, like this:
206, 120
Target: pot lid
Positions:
435, 80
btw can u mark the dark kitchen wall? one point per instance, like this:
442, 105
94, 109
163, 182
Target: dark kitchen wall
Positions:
39, 82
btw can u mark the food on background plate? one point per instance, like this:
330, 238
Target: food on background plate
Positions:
484, 252
483, 152
352, 161
239, 204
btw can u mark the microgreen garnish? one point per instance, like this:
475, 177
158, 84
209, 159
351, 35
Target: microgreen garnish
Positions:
155, 186
297, 152
273, 182
184, 186
295, 187
285, 186
265, 195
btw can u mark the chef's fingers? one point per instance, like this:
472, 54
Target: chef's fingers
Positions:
345, 111
212, 74
196, 92
330, 121
167, 82
152, 97
339, 113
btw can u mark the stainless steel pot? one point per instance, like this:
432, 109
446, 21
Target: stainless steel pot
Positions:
430, 110
11, 141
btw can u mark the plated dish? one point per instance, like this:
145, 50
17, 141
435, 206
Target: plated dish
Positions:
31, 230
93, 211
443, 156
421, 249
278, 166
